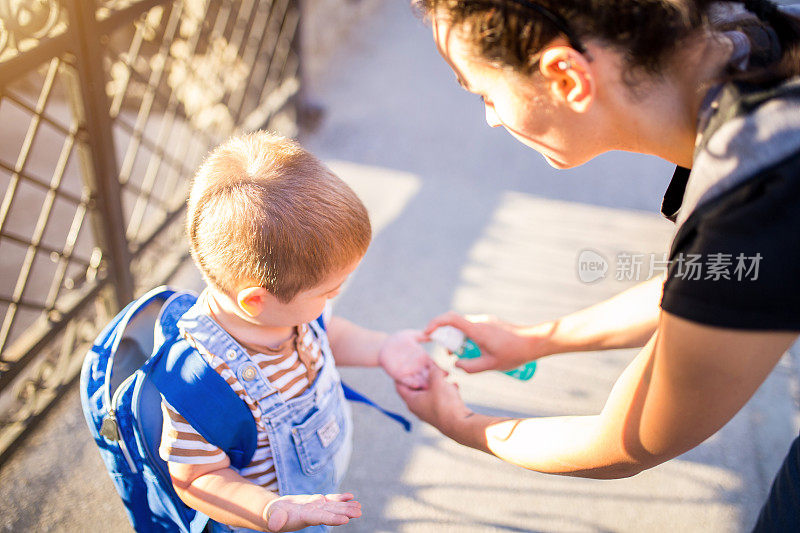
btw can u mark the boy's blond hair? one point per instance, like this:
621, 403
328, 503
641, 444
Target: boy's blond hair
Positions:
262, 210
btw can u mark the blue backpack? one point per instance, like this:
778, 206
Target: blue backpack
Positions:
138, 358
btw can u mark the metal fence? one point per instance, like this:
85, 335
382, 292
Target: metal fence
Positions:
106, 108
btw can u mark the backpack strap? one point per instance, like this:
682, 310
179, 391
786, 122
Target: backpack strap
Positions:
197, 391
739, 98
109, 340
352, 394
753, 128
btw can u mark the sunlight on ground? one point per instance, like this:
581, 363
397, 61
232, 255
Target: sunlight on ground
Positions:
384, 191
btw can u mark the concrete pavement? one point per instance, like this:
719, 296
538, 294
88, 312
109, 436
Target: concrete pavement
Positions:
469, 219
486, 226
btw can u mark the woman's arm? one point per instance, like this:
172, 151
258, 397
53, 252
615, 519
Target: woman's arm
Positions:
626, 320
686, 383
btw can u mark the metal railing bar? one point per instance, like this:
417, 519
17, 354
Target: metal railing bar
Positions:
212, 31
158, 202
171, 182
236, 99
165, 141
242, 26
19, 289
218, 30
41, 223
15, 437
66, 257
280, 45
5, 235
266, 33
43, 116
23, 303
45, 50
133, 51
171, 217
153, 167
40, 333
43, 184
34, 245
185, 145
50, 196
145, 108
99, 154
160, 96
22, 158
132, 149
275, 25
277, 100
154, 149
125, 15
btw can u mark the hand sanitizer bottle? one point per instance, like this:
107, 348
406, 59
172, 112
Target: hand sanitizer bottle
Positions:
465, 348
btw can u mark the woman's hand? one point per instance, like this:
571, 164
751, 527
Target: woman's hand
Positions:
503, 346
440, 405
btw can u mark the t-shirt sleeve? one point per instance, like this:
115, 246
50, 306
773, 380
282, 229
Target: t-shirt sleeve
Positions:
735, 262
181, 443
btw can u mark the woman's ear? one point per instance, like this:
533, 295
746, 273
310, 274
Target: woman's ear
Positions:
569, 77
251, 300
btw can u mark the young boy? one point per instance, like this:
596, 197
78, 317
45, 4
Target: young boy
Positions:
275, 235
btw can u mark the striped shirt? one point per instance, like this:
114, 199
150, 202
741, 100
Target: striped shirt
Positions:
290, 368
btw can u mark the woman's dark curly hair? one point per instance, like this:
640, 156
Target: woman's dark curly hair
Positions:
510, 33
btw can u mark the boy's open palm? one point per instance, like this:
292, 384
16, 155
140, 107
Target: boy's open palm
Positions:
296, 511
405, 360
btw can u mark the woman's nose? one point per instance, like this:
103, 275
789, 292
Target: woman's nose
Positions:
491, 116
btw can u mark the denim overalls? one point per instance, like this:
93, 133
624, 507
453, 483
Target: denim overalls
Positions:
310, 436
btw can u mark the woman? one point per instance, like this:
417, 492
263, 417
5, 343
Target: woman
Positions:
576, 78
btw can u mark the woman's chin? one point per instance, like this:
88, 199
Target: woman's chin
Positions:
555, 163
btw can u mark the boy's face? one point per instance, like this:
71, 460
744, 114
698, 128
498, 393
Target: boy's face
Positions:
266, 310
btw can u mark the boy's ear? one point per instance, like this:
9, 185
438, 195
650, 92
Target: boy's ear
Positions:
252, 300
569, 77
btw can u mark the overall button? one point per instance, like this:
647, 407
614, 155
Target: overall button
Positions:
231, 355
249, 373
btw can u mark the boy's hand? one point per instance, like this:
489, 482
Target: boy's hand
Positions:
296, 511
405, 360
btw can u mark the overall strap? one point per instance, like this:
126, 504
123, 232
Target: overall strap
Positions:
197, 391
212, 337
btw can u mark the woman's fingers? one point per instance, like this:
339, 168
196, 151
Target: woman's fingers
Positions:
451, 318
420, 336
436, 376
480, 364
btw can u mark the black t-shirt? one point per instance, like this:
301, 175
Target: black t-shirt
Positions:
751, 236
746, 240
